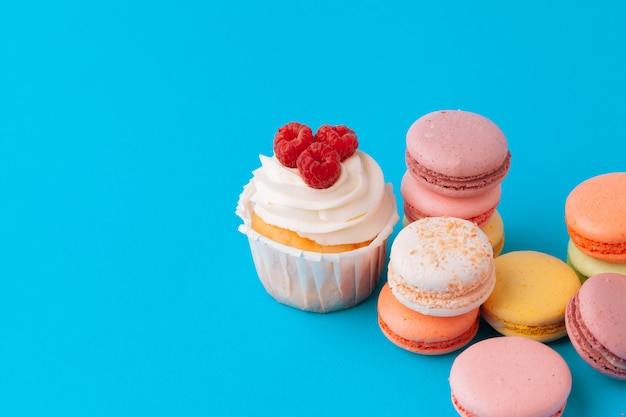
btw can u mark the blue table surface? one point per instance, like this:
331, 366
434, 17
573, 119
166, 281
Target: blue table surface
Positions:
128, 129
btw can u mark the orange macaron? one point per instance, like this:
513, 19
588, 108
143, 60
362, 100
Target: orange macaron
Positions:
595, 215
420, 333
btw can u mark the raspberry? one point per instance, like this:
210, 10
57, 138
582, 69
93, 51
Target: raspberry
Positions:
290, 141
319, 165
340, 138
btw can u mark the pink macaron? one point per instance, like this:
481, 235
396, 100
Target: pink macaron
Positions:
510, 376
595, 319
456, 152
421, 201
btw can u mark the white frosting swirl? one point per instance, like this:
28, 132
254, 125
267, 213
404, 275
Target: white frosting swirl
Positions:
354, 209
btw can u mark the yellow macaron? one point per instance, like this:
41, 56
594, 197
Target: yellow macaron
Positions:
494, 229
530, 296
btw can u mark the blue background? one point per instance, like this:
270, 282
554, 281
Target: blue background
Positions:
128, 129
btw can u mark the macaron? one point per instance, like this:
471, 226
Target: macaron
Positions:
456, 152
421, 201
419, 333
494, 229
530, 295
441, 266
596, 323
510, 376
595, 215
586, 266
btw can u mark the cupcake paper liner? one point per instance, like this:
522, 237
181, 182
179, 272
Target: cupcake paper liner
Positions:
312, 281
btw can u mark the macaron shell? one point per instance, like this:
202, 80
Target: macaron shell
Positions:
510, 376
441, 266
421, 333
595, 215
530, 296
422, 201
457, 143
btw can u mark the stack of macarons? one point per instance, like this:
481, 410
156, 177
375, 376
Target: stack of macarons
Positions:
441, 269
595, 215
456, 161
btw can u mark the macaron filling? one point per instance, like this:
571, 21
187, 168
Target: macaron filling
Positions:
607, 251
470, 184
543, 332
451, 301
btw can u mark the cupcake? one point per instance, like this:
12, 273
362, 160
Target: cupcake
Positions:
318, 214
